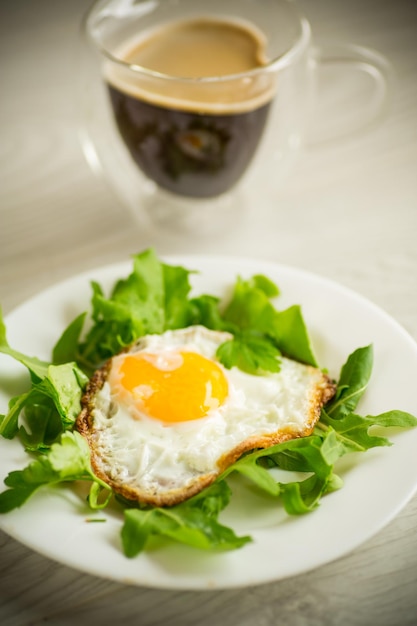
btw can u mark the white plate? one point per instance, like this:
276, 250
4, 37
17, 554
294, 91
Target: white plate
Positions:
378, 483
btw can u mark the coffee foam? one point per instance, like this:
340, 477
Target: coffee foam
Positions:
223, 93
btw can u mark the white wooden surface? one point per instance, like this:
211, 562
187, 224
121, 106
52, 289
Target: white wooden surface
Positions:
348, 212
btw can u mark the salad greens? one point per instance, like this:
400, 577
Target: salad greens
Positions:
66, 461
153, 298
52, 403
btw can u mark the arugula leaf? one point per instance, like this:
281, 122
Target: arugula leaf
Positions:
291, 335
9, 422
193, 522
248, 466
353, 381
67, 460
352, 431
43, 423
303, 497
311, 455
66, 348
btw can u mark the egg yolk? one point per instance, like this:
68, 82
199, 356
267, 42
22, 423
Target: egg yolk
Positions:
175, 386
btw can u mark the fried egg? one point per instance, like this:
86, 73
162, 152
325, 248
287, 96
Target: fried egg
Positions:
164, 418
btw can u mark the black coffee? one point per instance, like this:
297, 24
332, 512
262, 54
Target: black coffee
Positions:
196, 143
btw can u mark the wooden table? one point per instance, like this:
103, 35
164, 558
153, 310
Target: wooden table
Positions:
348, 211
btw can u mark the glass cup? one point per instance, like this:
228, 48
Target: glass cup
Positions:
181, 146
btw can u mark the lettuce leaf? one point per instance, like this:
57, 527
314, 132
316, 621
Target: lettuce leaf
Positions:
251, 309
136, 306
249, 352
155, 297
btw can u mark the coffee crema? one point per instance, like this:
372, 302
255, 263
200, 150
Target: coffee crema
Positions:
189, 103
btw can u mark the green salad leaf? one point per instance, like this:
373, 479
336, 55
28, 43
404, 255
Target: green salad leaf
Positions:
306, 455
353, 381
291, 335
67, 460
251, 309
193, 522
152, 299
177, 305
250, 353
66, 348
156, 297
353, 431
54, 398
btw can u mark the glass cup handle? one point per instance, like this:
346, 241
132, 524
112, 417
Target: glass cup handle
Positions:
353, 85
